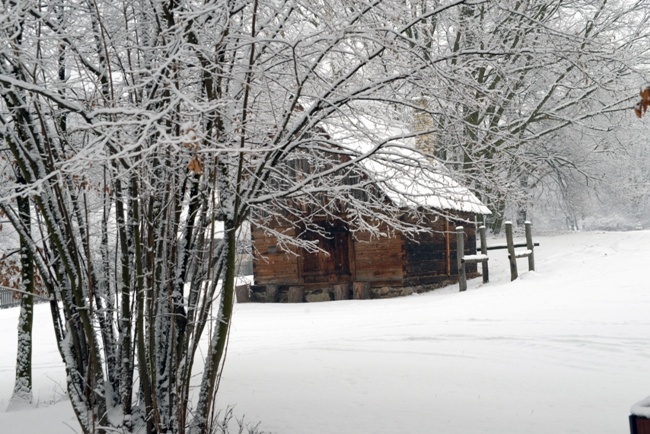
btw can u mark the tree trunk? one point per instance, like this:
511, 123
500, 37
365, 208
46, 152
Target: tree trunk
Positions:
22, 394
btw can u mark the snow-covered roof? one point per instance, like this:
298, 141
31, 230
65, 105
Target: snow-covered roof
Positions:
408, 177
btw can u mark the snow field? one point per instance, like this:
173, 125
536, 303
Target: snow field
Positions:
561, 350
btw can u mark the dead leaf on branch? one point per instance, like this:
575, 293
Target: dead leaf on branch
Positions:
195, 166
191, 142
11, 276
642, 106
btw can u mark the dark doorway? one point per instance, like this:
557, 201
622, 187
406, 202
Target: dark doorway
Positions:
333, 263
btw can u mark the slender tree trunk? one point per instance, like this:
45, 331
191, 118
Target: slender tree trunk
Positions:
219, 339
22, 395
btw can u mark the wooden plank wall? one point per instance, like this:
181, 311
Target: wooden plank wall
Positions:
433, 257
384, 261
427, 256
271, 264
378, 260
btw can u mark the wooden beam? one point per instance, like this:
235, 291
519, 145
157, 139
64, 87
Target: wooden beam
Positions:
523, 254
460, 249
530, 245
448, 247
484, 265
505, 246
511, 252
473, 259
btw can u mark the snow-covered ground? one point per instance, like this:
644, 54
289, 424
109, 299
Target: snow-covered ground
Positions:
563, 350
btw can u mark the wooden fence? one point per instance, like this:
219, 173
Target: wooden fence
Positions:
482, 257
469, 259
10, 297
513, 255
7, 298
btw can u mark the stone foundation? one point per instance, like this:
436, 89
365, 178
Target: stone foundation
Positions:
358, 290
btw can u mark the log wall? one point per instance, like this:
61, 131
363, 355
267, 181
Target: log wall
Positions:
428, 255
378, 260
432, 258
387, 261
270, 263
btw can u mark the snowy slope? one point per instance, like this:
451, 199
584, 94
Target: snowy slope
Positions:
562, 350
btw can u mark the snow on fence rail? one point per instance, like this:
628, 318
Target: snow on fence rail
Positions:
482, 257
514, 255
470, 259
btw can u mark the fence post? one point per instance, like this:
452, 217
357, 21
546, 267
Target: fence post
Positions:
484, 264
511, 252
460, 251
530, 246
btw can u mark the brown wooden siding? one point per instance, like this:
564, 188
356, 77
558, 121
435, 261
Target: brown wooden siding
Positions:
332, 265
427, 255
270, 264
378, 260
386, 261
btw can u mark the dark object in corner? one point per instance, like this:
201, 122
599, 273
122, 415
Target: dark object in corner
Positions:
639, 425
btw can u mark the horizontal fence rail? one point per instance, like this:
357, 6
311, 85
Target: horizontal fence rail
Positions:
10, 297
7, 297
505, 246
482, 256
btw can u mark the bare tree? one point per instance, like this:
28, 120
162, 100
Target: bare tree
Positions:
537, 68
142, 129
147, 132
22, 394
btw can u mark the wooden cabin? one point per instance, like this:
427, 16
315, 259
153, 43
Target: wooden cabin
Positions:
351, 263
358, 265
